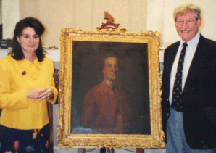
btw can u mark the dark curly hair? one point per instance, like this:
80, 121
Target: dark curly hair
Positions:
22, 24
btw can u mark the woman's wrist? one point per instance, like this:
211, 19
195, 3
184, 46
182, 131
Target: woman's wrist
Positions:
51, 96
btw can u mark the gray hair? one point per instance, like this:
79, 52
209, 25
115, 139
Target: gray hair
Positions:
184, 8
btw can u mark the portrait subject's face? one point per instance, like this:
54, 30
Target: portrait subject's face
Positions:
187, 26
110, 68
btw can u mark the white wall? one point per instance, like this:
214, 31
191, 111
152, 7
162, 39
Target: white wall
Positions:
10, 16
84, 14
134, 15
27, 8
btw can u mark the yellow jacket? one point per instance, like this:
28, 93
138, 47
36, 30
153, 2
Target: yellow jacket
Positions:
16, 77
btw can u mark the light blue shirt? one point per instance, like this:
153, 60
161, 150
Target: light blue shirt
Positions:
190, 51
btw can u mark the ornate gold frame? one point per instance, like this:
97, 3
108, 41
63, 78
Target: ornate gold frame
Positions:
67, 140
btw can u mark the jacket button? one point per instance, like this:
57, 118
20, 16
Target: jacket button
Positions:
167, 99
167, 114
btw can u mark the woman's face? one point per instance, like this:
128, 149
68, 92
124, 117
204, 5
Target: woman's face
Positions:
28, 40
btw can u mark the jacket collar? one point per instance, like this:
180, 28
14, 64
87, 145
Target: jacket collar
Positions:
25, 63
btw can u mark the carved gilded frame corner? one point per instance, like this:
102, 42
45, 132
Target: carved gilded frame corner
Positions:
66, 139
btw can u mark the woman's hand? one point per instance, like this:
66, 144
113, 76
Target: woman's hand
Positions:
40, 93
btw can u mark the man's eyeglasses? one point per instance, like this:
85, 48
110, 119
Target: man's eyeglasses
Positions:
188, 22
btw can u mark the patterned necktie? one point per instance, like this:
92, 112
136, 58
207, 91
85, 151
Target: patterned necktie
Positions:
177, 88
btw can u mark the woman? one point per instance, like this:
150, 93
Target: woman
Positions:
26, 84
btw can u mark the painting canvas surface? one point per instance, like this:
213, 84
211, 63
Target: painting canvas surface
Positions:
132, 81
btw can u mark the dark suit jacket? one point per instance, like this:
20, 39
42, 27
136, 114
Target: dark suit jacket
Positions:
199, 94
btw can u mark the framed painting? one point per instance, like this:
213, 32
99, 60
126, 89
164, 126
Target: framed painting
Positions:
109, 90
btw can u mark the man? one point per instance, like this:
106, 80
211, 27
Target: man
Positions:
104, 105
189, 87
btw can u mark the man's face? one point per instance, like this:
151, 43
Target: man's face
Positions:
110, 68
187, 26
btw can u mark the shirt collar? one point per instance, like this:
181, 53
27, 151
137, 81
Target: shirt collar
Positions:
26, 63
193, 42
105, 86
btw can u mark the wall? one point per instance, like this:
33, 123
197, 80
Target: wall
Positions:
10, 16
134, 15
84, 14
27, 8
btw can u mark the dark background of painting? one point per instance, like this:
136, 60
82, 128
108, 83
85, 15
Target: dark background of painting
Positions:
87, 65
